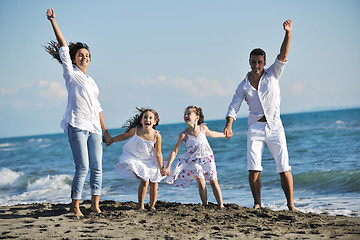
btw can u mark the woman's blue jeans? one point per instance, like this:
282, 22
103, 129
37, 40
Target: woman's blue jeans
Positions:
86, 148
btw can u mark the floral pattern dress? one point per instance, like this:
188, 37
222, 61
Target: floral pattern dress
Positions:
197, 162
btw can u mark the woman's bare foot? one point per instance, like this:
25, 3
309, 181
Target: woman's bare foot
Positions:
221, 206
77, 212
95, 210
75, 207
95, 199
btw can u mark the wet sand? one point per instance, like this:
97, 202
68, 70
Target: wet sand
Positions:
171, 220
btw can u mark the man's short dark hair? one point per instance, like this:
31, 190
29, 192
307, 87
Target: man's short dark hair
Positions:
258, 52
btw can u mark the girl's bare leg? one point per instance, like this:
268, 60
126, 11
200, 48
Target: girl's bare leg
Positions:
202, 190
217, 192
154, 187
75, 208
95, 203
142, 193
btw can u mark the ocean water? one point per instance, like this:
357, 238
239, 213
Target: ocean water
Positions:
324, 149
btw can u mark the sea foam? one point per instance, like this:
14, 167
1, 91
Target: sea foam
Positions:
55, 189
8, 177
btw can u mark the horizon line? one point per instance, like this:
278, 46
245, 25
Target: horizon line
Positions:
314, 110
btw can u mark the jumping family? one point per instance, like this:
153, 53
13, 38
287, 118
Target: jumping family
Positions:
142, 158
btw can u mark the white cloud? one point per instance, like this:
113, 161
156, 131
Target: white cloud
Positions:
33, 95
18, 104
200, 86
6, 91
158, 80
298, 88
51, 89
27, 85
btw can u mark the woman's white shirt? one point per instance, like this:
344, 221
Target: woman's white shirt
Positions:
83, 106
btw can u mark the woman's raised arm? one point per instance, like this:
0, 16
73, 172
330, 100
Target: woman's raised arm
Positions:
60, 38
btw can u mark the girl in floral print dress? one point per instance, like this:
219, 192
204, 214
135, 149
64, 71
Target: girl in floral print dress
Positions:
197, 163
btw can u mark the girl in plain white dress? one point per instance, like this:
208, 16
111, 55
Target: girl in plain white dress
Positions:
142, 158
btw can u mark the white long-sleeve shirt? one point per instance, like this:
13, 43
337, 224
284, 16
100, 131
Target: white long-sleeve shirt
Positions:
264, 101
83, 106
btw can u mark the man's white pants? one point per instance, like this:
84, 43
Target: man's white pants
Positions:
260, 134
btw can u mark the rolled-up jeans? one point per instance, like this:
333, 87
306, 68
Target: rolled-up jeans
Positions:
86, 148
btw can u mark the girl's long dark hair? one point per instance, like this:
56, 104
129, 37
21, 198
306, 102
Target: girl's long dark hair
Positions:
136, 120
53, 48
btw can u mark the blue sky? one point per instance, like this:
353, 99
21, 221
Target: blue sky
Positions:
170, 54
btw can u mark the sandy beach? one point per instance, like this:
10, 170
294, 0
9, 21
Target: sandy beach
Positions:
171, 220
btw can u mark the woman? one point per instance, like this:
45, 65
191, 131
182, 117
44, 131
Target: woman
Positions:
83, 119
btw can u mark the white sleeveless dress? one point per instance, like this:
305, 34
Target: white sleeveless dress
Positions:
138, 160
197, 162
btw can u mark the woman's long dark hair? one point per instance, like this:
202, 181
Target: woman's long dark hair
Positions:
53, 48
136, 120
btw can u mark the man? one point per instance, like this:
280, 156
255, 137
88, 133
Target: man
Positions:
261, 91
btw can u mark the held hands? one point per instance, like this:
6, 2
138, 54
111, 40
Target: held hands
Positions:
228, 132
287, 25
107, 139
228, 127
165, 171
50, 14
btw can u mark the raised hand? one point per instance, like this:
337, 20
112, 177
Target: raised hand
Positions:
59, 37
287, 25
285, 46
50, 14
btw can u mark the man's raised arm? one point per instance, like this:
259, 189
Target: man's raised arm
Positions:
285, 46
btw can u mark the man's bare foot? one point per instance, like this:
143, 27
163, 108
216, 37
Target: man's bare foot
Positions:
152, 209
221, 206
292, 208
77, 212
256, 206
95, 210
